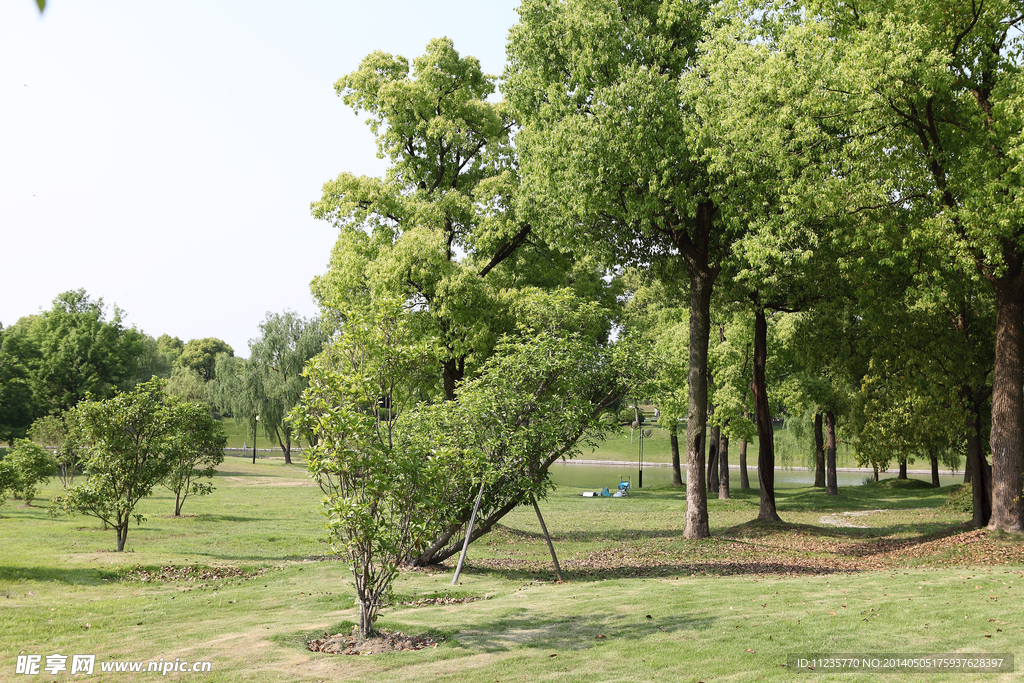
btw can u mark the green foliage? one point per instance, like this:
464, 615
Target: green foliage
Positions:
193, 447
961, 499
17, 399
380, 482
201, 355
31, 465
439, 230
125, 442
80, 352
52, 432
188, 385
276, 359
170, 346
152, 362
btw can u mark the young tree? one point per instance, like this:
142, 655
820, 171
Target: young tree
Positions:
31, 465
379, 484
124, 439
194, 446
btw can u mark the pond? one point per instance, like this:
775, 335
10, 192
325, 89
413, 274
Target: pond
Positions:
597, 476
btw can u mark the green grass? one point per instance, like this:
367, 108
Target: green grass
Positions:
908, 580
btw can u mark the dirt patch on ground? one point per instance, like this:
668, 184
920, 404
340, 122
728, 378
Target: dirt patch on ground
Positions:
385, 641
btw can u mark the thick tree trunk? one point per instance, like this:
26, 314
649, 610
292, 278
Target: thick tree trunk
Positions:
981, 481
122, 536
673, 438
903, 469
452, 372
696, 427
935, 467
831, 483
1007, 437
819, 452
762, 414
723, 466
713, 444
288, 447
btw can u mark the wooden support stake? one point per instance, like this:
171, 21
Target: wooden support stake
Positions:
547, 536
469, 532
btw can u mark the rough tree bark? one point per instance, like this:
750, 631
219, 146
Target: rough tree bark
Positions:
1007, 439
903, 469
701, 283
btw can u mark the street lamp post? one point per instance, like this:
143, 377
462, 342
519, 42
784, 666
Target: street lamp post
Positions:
255, 424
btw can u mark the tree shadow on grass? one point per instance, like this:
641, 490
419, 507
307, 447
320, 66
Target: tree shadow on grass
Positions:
523, 628
83, 576
588, 536
585, 570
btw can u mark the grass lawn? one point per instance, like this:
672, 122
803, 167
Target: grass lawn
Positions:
878, 569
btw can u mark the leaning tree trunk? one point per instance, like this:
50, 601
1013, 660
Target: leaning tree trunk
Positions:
831, 481
762, 414
673, 438
819, 452
701, 283
723, 466
1007, 437
713, 447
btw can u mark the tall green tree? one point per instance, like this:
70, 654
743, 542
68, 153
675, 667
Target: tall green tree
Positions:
927, 95
611, 154
81, 351
439, 229
200, 355
18, 405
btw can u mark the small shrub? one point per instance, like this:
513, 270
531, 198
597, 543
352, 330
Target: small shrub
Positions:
961, 499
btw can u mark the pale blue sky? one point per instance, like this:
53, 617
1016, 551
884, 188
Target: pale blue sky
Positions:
163, 155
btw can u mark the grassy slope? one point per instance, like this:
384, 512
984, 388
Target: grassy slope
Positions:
729, 608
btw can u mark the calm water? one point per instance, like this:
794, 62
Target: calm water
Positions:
599, 476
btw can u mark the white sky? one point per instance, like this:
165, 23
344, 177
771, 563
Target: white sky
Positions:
163, 155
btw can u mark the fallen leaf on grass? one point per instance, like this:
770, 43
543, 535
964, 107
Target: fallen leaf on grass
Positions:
599, 637
749, 650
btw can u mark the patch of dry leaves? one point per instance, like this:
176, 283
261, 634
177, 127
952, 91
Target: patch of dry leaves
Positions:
385, 641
